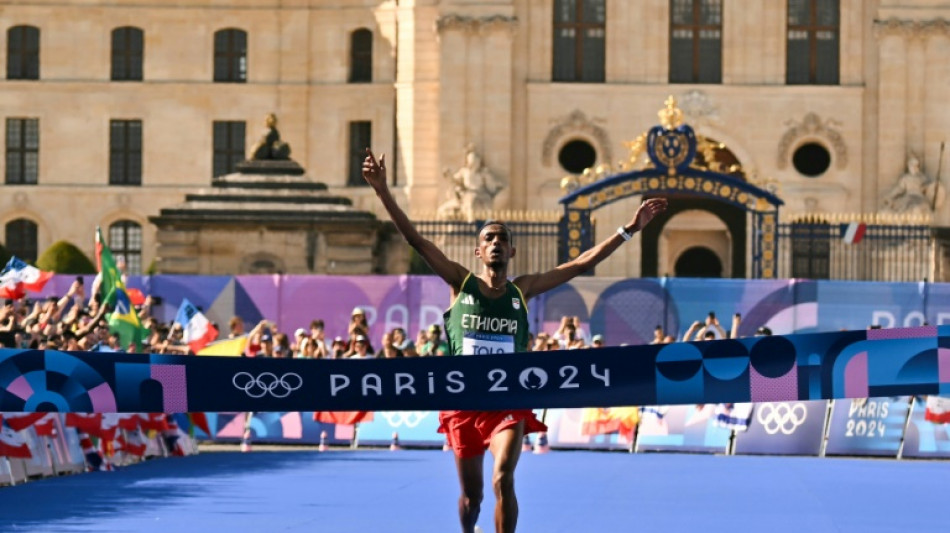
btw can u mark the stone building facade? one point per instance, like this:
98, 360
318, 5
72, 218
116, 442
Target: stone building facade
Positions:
537, 87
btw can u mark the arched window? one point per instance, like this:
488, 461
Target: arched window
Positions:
125, 241
579, 40
23, 53
695, 41
128, 49
230, 56
813, 42
361, 56
20, 239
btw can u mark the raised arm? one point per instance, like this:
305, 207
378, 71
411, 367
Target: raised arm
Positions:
374, 172
535, 284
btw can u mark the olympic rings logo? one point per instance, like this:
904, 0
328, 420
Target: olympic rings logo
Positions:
267, 384
409, 419
781, 417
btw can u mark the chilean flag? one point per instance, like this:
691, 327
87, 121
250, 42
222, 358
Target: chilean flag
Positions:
18, 277
853, 232
196, 328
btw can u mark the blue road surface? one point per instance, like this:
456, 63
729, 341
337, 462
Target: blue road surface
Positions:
416, 491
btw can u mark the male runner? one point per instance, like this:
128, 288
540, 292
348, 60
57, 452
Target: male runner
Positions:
480, 302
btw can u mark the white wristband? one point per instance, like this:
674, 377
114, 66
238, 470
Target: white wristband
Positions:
623, 233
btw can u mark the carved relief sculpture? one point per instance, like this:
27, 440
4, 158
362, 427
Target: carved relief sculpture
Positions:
474, 187
913, 193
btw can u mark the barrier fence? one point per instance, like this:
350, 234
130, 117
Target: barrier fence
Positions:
38, 445
892, 427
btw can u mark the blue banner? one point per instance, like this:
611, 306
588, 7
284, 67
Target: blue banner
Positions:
851, 364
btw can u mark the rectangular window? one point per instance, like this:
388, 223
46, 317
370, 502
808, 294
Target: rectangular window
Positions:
580, 30
125, 152
696, 41
812, 44
360, 139
23, 151
229, 138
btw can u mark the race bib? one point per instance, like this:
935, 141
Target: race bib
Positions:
477, 343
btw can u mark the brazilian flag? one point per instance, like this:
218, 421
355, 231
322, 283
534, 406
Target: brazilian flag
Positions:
123, 321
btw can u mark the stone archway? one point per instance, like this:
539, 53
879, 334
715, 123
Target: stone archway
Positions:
697, 174
698, 262
731, 221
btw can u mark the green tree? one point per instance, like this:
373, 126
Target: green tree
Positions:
65, 258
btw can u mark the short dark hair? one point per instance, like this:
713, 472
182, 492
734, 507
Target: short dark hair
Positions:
491, 222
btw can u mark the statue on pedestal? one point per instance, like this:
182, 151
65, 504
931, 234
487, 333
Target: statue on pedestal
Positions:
913, 193
270, 155
269, 146
474, 187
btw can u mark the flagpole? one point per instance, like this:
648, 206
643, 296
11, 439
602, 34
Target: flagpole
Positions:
933, 202
910, 413
10, 469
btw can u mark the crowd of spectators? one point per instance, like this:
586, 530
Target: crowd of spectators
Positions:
75, 322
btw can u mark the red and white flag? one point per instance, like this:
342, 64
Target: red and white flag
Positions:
938, 410
18, 277
854, 232
46, 426
132, 443
197, 330
21, 421
90, 423
12, 444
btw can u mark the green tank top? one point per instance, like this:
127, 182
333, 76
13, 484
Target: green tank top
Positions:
476, 324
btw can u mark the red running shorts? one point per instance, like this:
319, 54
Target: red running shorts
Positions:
470, 432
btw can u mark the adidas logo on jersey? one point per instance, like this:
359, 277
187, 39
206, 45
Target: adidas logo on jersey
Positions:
467, 299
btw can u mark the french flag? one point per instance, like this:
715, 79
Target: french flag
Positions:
197, 330
853, 232
18, 277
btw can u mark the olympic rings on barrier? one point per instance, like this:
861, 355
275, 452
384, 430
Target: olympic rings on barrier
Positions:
776, 417
267, 383
409, 419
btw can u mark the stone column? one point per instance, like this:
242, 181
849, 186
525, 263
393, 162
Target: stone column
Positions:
417, 102
892, 116
936, 114
476, 91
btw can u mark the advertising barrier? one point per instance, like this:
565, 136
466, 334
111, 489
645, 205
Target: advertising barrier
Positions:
682, 428
867, 426
784, 428
598, 428
923, 439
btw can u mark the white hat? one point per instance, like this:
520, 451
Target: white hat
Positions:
299, 332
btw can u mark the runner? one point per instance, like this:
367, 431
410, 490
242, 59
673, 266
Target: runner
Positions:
489, 314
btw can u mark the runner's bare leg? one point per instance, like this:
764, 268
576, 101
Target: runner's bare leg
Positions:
506, 447
472, 482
